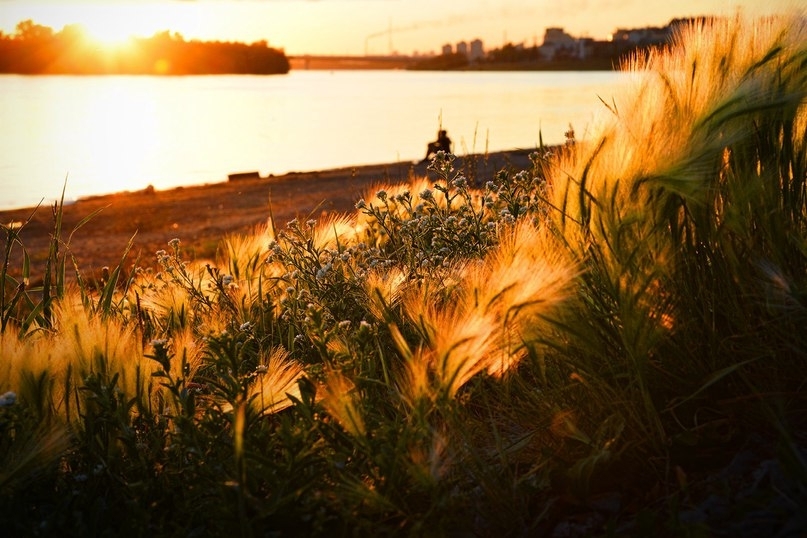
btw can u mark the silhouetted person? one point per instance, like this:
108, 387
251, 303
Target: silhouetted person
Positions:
443, 143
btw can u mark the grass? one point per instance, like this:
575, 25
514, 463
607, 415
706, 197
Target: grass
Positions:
603, 344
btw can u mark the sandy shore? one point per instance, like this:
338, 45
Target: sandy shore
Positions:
201, 216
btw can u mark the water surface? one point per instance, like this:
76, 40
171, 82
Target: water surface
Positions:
111, 133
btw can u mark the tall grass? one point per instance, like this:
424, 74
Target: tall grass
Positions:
688, 206
594, 335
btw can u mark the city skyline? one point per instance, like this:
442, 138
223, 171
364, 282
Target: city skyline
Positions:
356, 27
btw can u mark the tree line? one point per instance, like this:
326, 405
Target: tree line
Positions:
37, 49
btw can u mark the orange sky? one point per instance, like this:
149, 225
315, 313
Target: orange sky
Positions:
374, 26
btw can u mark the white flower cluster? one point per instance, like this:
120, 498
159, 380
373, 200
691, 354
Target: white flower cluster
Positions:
8, 399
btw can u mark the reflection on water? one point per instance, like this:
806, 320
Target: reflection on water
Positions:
112, 133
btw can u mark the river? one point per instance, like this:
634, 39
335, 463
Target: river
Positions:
102, 134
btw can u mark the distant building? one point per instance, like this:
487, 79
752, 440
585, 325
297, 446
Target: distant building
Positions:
637, 37
562, 47
557, 37
477, 50
557, 43
585, 47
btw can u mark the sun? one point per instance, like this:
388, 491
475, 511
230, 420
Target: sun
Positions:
108, 38
116, 28
115, 24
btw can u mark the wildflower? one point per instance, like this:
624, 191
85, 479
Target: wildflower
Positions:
426, 194
226, 280
345, 324
460, 182
381, 195
246, 326
361, 204
174, 243
323, 271
261, 369
159, 343
8, 399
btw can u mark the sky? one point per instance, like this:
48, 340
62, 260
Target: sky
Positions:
356, 27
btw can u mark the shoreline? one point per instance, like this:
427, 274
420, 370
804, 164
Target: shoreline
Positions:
202, 215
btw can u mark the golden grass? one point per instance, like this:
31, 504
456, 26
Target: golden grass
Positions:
671, 125
41, 366
496, 306
273, 381
341, 401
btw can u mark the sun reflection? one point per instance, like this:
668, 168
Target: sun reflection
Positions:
126, 127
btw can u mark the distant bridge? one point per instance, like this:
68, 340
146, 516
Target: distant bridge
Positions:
350, 62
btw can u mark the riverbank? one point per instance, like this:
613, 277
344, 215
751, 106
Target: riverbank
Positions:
202, 215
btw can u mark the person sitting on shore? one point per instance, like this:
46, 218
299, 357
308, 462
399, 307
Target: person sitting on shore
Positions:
443, 143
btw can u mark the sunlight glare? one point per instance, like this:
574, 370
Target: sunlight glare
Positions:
112, 24
116, 27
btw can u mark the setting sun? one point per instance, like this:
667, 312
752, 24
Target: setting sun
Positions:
116, 24
106, 39
114, 35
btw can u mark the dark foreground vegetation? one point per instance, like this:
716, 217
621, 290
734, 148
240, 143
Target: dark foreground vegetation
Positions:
36, 49
611, 342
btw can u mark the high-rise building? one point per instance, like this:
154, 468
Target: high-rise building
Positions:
477, 50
